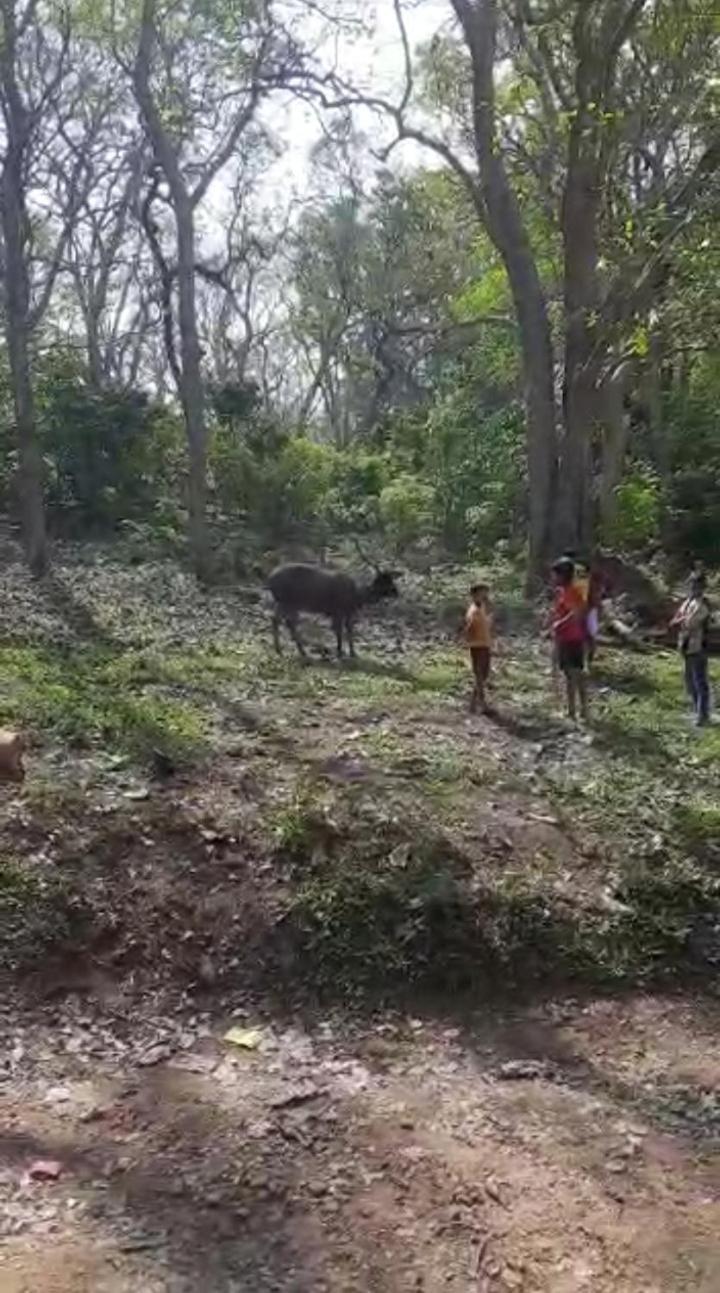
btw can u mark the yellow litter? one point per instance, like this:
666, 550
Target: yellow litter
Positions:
248, 1039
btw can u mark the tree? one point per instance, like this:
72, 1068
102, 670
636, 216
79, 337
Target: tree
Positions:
380, 283
54, 111
584, 175
198, 80
34, 67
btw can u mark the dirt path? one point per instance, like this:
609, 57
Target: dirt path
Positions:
567, 1147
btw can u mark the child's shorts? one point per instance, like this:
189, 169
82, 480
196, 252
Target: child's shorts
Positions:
570, 655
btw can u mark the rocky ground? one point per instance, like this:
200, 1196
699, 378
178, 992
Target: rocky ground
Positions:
563, 1146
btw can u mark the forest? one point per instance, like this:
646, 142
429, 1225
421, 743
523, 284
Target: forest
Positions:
390, 969
474, 305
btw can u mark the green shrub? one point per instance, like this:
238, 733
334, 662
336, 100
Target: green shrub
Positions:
636, 524
407, 510
110, 454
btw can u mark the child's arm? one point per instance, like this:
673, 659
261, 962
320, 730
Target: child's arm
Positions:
564, 619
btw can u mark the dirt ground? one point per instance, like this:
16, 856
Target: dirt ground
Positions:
555, 1148
538, 1142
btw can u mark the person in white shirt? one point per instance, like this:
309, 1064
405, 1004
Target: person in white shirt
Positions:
693, 622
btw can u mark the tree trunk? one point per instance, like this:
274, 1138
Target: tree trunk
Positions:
96, 367
615, 440
574, 520
499, 211
30, 458
538, 368
191, 388
18, 325
653, 389
189, 377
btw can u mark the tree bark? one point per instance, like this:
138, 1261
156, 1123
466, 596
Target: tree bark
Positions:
614, 448
582, 406
653, 391
192, 392
18, 325
191, 387
592, 403
499, 210
17, 331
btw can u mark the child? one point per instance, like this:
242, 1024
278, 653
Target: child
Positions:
582, 579
597, 592
478, 637
569, 634
693, 621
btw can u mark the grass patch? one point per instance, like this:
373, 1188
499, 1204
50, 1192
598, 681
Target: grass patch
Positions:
699, 822
37, 911
93, 697
443, 673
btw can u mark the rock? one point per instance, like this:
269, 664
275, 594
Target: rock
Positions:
207, 974
523, 1070
494, 1192
511, 1279
153, 1055
297, 1096
57, 1095
45, 1169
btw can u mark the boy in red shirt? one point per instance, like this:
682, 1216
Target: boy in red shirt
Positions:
569, 614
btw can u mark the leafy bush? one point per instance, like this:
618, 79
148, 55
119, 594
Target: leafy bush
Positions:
692, 518
111, 454
407, 510
479, 466
636, 524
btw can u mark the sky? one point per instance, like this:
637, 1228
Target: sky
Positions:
375, 64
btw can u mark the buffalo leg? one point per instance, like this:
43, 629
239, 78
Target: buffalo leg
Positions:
350, 632
291, 621
338, 627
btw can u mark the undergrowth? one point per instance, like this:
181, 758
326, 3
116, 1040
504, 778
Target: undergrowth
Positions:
376, 902
36, 911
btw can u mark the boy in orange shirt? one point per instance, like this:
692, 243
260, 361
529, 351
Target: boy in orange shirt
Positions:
478, 638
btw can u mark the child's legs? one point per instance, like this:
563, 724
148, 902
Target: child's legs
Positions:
690, 679
582, 691
480, 660
702, 686
571, 658
571, 692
